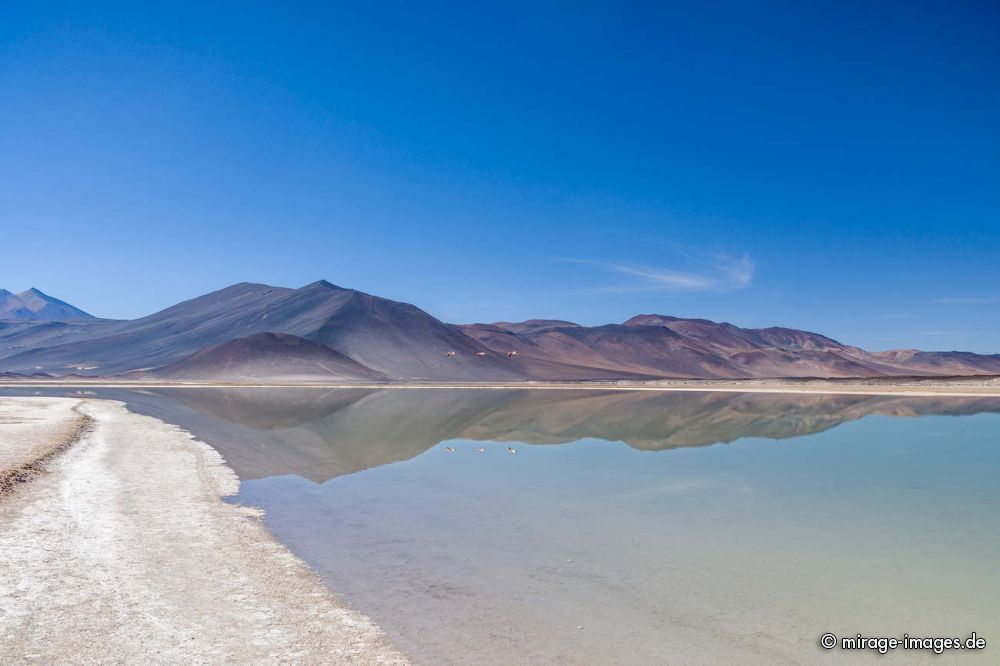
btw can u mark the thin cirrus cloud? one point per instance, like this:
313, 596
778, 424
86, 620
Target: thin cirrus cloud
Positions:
715, 272
968, 300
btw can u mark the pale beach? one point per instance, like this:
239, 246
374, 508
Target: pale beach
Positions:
121, 550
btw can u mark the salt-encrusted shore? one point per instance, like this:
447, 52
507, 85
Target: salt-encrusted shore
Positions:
32, 431
124, 552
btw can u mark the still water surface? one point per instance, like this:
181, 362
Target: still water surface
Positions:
627, 527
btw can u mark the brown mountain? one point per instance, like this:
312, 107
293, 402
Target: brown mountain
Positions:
662, 346
268, 357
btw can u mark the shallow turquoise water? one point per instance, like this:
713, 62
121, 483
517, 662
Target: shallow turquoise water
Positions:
881, 526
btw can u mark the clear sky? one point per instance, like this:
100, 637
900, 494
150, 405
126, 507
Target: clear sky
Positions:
828, 166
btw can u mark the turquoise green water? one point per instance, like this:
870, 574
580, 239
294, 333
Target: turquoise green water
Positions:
622, 530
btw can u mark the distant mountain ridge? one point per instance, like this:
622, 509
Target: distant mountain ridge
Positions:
253, 332
34, 305
664, 346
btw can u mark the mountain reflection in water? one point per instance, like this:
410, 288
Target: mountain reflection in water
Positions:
320, 434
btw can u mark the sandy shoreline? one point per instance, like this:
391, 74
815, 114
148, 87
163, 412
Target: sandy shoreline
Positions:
124, 552
902, 386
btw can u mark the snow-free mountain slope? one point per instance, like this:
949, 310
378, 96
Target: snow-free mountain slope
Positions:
268, 357
399, 341
34, 305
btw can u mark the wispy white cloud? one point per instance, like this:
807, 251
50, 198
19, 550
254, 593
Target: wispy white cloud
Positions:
968, 300
703, 272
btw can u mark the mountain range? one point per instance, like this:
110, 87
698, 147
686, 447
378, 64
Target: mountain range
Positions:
322, 332
34, 305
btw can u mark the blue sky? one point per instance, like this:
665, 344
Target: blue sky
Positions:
829, 166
